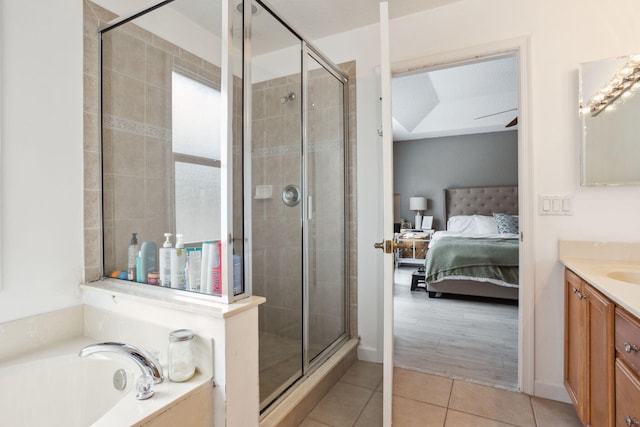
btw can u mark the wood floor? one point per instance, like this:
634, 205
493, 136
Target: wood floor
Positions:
464, 338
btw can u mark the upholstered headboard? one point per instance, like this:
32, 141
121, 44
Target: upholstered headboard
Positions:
480, 201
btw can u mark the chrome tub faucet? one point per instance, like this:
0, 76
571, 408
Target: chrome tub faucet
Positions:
148, 363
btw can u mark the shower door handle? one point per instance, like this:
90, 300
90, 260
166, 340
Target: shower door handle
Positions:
309, 208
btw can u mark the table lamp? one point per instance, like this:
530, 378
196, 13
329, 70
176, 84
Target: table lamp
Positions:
418, 204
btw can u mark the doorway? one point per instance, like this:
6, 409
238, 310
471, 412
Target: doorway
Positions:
460, 131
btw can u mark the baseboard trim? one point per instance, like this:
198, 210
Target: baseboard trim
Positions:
368, 354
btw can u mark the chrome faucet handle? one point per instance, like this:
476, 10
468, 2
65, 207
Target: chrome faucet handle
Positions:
143, 387
147, 362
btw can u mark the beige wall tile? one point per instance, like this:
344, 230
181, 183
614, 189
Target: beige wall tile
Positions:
158, 107
158, 67
123, 96
125, 54
91, 129
91, 170
129, 197
92, 214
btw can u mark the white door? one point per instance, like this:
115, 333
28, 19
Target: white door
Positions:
387, 198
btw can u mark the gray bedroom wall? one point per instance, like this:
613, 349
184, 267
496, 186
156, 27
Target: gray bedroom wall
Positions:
425, 167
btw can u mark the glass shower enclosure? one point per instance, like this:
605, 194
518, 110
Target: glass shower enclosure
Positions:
221, 123
297, 138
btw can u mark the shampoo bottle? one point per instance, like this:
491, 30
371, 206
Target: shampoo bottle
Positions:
165, 261
134, 248
148, 259
178, 264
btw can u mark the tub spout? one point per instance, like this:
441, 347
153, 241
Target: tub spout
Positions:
145, 360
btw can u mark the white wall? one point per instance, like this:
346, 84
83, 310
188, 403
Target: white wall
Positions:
42, 174
562, 35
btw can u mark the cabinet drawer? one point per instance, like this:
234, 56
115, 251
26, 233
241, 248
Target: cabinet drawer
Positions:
627, 396
627, 330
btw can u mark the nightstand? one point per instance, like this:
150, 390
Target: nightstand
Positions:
412, 246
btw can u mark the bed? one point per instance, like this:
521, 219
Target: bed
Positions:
478, 253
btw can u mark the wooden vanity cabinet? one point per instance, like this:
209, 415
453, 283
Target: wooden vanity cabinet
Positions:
627, 372
589, 352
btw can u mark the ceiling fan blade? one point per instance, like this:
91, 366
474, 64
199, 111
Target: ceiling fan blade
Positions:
512, 122
495, 114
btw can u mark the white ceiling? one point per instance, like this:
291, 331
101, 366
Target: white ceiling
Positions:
472, 98
317, 19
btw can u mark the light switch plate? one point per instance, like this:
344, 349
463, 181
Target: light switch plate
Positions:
555, 205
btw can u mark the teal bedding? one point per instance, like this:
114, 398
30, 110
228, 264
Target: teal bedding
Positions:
493, 260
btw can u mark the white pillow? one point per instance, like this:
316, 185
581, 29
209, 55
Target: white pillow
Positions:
485, 224
461, 224
472, 224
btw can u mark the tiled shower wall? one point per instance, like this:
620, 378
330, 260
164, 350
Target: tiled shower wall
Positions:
137, 137
95, 16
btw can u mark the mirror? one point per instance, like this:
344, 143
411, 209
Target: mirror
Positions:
609, 108
170, 167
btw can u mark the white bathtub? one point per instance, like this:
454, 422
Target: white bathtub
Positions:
59, 388
64, 390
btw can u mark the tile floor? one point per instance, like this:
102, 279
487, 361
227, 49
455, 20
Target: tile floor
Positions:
428, 400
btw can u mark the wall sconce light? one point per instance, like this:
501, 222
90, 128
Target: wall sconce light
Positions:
418, 204
621, 86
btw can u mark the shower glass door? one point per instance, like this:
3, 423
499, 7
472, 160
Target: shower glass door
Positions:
325, 220
276, 201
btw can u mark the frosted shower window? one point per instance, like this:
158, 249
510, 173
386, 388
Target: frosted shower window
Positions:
196, 153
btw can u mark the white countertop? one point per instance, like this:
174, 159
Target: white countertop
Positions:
594, 272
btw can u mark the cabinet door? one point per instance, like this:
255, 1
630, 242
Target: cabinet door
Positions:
600, 358
575, 371
627, 396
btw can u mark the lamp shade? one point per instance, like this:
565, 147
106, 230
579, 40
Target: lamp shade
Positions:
417, 204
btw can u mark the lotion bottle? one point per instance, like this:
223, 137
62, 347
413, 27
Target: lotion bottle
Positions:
134, 248
178, 264
165, 261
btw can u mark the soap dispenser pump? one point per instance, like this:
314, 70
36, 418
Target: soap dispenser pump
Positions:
165, 261
178, 264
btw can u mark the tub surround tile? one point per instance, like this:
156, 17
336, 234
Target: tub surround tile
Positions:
36, 332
